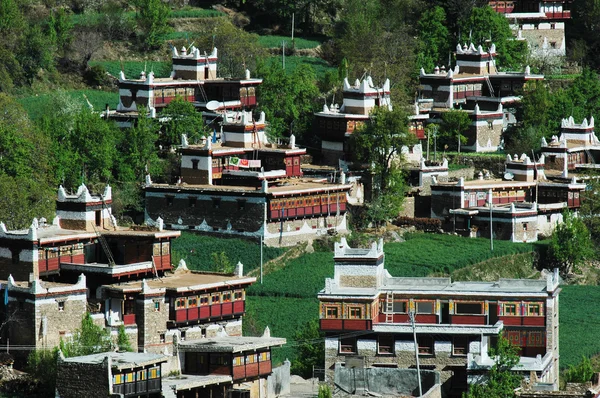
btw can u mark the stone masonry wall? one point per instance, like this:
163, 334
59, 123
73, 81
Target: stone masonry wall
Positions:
152, 322
60, 320
78, 380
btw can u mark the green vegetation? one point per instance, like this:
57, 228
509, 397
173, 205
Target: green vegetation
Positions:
299, 42
570, 245
197, 251
194, 12
36, 105
132, 69
578, 324
88, 339
293, 62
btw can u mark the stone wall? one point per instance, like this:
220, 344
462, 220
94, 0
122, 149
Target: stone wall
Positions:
59, 322
79, 380
151, 322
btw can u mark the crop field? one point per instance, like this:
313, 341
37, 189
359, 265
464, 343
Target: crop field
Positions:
36, 104
293, 61
196, 250
424, 254
133, 69
283, 315
191, 12
579, 323
299, 42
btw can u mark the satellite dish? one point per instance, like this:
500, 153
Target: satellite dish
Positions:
509, 176
213, 105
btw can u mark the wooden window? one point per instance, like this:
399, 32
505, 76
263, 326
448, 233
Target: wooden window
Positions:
141, 375
154, 373
385, 344
195, 164
348, 346
355, 313
203, 300
510, 309
425, 307
215, 299
118, 379
460, 345
179, 303
222, 359
226, 297
183, 335
238, 295
130, 377
238, 361
61, 305
467, 308
252, 358
534, 309
331, 312
192, 302
425, 343
264, 356
535, 339
157, 306
400, 306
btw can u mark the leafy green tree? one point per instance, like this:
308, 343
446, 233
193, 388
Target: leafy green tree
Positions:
123, 342
570, 244
221, 262
59, 29
501, 380
311, 349
485, 24
378, 38
89, 339
454, 124
182, 118
152, 19
238, 49
380, 141
434, 38
580, 373
590, 208
42, 367
138, 150
289, 100
324, 391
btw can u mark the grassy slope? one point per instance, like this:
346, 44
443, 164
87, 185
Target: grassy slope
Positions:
35, 104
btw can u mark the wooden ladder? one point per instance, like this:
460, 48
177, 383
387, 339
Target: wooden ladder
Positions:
389, 307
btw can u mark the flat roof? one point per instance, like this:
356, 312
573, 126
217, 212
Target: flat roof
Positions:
187, 381
184, 280
120, 360
231, 344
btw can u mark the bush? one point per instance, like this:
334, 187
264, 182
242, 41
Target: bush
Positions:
421, 224
580, 373
97, 76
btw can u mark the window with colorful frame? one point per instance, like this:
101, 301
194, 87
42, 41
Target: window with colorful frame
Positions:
355, 312
192, 301
400, 306
238, 361
180, 303
215, 298
331, 312
141, 375
252, 358
510, 309
264, 356
129, 377
460, 345
204, 300
534, 309
238, 295
154, 373
118, 379
226, 297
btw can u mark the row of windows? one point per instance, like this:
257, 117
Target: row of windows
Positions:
521, 309
206, 299
140, 375
426, 344
308, 201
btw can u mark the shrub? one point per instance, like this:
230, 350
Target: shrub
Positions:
421, 224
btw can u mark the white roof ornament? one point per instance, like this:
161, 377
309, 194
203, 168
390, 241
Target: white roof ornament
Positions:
591, 124
121, 76
493, 49
472, 48
184, 141
213, 54
459, 49
346, 84
571, 121
356, 83
422, 72
544, 142
480, 50
527, 70
450, 73
584, 124
386, 85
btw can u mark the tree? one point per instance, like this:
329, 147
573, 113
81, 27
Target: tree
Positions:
590, 208
123, 342
454, 124
180, 118
89, 339
221, 262
570, 244
483, 25
501, 380
580, 373
311, 349
42, 367
152, 18
289, 100
380, 141
433, 44
138, 151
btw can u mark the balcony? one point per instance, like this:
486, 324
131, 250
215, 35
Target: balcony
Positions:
439, 328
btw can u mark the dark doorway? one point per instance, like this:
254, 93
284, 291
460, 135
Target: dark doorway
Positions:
493, 313
98, 218
445, 313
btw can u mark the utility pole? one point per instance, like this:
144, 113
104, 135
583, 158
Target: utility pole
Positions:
411, 315
491, 225
435, 131
283, 54
261, 258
